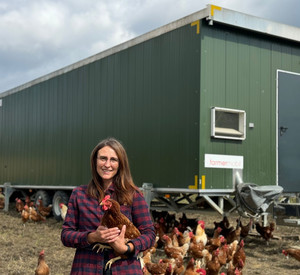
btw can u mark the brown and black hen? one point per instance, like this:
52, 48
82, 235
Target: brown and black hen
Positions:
113, 217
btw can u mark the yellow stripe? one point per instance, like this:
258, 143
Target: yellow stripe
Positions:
196, 23
195, 186
213, 8
203, 182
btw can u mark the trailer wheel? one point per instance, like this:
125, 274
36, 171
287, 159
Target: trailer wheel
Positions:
59, 197
44, 196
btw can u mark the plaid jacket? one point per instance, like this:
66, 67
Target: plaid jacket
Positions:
84, 216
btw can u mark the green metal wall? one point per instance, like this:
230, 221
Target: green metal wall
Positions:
156, 98
147, 96
238, 70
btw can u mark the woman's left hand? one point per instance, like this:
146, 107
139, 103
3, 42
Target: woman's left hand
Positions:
119, 243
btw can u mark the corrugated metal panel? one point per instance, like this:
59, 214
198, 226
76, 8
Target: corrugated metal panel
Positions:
146, 95
238, 70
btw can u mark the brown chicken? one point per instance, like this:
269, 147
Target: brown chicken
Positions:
213, 266
160, 230
43, 210
183, 237
295, 253
245, 229
2, 199
224, 223
266, 232
233, 235
157, 268
35, 216
19, 205
186, 223
174, 251
223, 254
28, 201
113, 217
42, 267
176, 266
232, 270
239, 256
196, 249
216, 241
231, 250
25, 214
191, 269
146, 258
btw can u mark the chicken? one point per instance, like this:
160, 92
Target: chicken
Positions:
206, 258
25, 214
231, 250
266, 232
42, 267
191, 269
245, 229
196, 249
233, 235
176, 266
293, 252
183, 237
113, 217
232, 270
171, 222
35, 216
2, 199
146, 258
173, 251
160, 230
63, 210
213, 266
224, 223
239, 256
185, 223
215, 241
19, 205
156, 215
28, 201
159, 268
200, 233
43, 210
223, 254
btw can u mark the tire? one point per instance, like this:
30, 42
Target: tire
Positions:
59, 197
44, 196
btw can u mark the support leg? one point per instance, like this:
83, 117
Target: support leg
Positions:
8, 190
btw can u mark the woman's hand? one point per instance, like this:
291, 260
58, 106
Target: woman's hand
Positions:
119, 243
104, 235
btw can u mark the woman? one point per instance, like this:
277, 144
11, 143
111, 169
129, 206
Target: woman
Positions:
81, 229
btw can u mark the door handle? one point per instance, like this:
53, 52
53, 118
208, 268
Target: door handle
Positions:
283, 130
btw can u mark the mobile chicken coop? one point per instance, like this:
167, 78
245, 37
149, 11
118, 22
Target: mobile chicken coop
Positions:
200, 104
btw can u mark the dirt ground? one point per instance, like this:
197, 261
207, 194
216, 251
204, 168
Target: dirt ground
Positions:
20, 246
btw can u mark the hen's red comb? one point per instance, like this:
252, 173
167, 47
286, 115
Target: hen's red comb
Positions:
107, 197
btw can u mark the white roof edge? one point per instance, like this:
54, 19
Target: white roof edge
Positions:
211, 13
253, 23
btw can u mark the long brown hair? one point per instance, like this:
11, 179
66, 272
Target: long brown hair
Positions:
123, 183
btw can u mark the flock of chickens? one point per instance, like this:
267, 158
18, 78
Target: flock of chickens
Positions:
203, 251
188, 243
187, 246
32, 212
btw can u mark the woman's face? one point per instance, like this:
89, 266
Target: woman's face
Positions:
107, 164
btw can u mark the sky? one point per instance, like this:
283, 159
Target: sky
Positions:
38, 37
